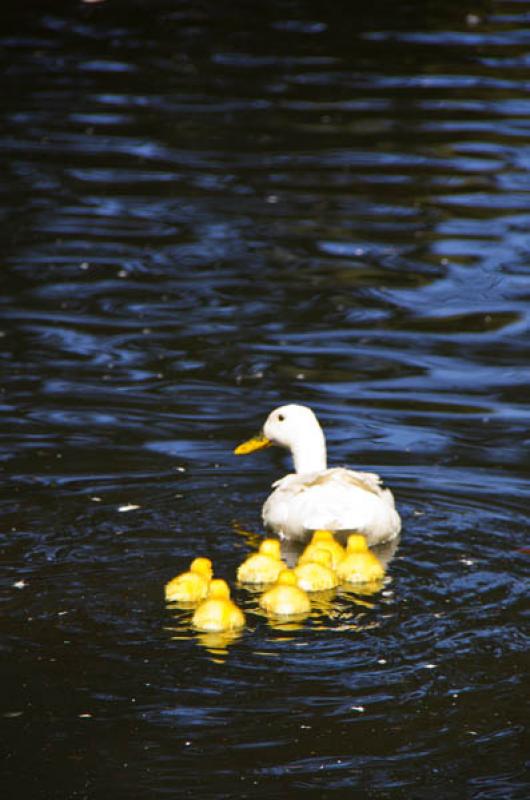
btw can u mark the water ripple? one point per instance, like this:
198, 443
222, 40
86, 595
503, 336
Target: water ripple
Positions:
205, 215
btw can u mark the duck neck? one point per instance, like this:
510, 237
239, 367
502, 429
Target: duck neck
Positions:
309, 455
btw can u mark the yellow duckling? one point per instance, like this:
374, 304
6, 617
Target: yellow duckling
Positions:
356, 543
359, 565
191, 586
218, 612
316, 575
263, 566
285, 598
323, 540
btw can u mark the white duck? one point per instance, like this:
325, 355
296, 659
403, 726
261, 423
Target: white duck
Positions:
314, 496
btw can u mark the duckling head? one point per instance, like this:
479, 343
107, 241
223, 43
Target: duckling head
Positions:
263, 566
286, 598
219, 590
317, 575
287, 578
218, 613
360, 565
322, 536
190, 586
356, 543
202, 566
324, 540
271, 548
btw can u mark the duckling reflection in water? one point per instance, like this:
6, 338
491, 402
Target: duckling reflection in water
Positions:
286, 598
217, 643
218, 612
360, 565
191, 586
251, 538
263, 566
316, 575
323, 540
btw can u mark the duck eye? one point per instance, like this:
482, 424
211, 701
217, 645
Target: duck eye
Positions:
280, 418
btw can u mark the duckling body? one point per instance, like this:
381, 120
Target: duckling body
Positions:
285, 598
359, 565
323, 540
218, 612
191, 586
316, 575
263, 566
315, 497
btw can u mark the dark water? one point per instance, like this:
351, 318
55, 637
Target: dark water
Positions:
207, 210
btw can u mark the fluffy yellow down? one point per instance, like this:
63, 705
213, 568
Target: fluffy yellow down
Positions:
263, 566
191, 586
316, 575
323, 540
359, 565
285, 598
218, 612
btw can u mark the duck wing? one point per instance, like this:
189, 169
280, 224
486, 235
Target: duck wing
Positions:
336, 499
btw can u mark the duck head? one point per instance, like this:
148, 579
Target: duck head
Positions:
297, 429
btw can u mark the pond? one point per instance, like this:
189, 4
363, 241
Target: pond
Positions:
209, 210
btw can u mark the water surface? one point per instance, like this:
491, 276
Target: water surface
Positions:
208, 212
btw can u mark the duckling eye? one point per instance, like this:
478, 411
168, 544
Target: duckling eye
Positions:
280, 418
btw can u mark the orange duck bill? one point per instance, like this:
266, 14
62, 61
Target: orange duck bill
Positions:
258, 442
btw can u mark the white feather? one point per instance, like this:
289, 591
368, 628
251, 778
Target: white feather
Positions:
316, 497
